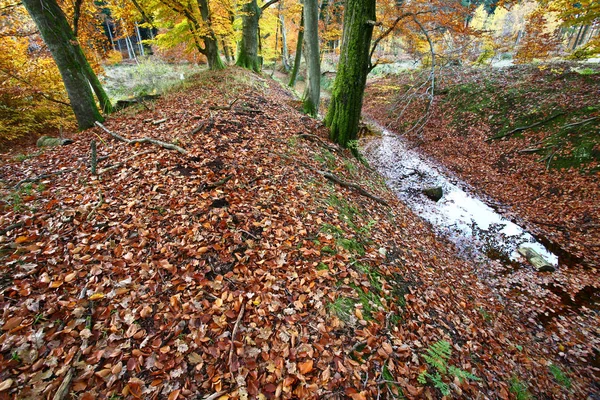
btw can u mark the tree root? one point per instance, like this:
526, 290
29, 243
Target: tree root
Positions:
523, 128
354, 186
160, 143
315, 138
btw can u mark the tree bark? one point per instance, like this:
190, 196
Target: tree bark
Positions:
313, 59
349, 86
248, 52
298, 58
211, 45
285, 54
62, 43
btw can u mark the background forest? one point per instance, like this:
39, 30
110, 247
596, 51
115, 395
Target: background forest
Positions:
150, 33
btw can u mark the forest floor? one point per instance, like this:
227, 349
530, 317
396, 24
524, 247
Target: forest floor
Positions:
243, 268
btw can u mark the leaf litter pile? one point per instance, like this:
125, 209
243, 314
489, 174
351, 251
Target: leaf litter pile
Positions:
260, 262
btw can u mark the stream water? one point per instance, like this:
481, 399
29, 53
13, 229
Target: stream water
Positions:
475, 227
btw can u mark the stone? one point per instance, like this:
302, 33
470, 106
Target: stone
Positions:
49, 141
435, 193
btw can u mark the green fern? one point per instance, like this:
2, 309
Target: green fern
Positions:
462, 375
437, 357
438, 354
437, 381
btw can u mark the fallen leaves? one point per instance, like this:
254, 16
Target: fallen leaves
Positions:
179, 288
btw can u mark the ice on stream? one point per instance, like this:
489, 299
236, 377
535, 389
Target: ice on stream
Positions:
471, 224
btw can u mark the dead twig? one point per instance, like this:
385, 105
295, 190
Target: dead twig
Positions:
315, 138
234, 333
64, 387
354, 186
216, 184
214, 395
11, 227
523, 128
224, 108
97, 205
585, 121
160, 143
43, 176
159, 121
117, 165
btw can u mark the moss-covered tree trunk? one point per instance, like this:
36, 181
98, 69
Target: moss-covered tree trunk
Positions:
211, 45
313, 57
62, 43
298, 57
248, 51
346, 101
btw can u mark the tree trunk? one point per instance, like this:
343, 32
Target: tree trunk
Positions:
248, 52
211, 45
349, 86
313, 57
577, 38
298, 57
285, 54
58, 36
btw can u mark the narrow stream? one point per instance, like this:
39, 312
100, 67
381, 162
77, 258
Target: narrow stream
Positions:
476, 228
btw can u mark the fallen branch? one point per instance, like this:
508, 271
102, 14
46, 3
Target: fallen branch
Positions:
93, 157
43, 176
11, 227
333, 178
523, 128
585, 121
117, 165
159, 121
315, 138
216, 184
160, 143
234, 333
224, 108
214, 395
64, 387
96, 206
354, 186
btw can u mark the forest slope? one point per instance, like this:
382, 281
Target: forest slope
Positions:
134, 283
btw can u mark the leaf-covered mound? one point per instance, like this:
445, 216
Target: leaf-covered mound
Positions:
241, 269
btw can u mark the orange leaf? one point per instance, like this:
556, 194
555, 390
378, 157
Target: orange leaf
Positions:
174, 394
21, 239
305, 367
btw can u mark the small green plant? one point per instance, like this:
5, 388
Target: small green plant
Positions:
332, 230
326, 157
519, 389
15, 357
486, 316
24, 157
342, 308
586, 71
390, 382
351, 168
560, 376
352, 245
38, 318
322, 267
437, 358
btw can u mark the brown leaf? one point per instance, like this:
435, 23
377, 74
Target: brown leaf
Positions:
305, 367
12, 323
